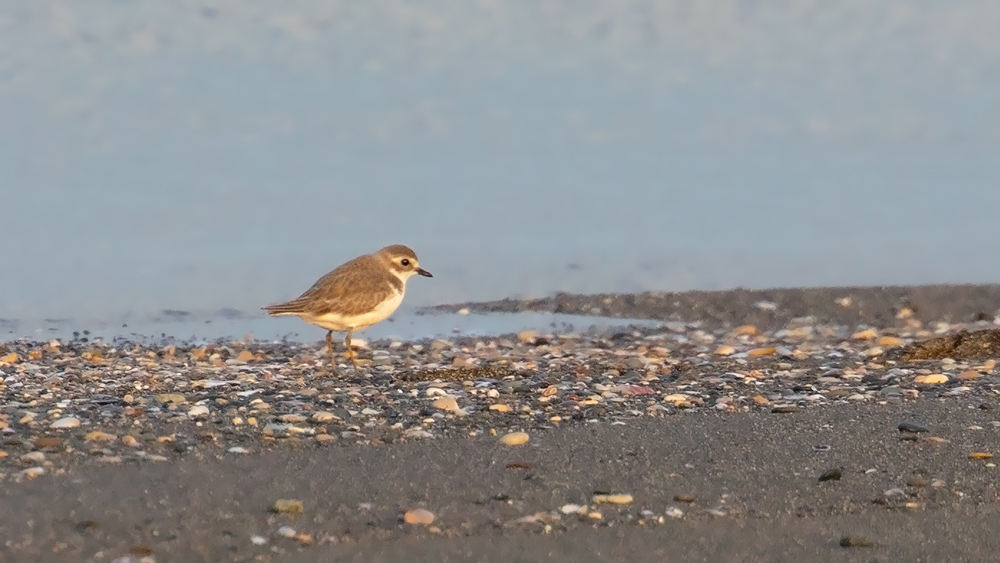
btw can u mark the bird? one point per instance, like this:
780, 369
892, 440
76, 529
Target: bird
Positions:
355, 295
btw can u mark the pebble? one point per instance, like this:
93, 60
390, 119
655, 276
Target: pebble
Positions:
856, 541
32, 472
911, 427
33, 458
323, 416
286, 532
447, 403
725, 350
418, 516
289, 506
514, 439
277, 393
831, 475
612, 499
66, 422
417, 433
48, 442
165, 398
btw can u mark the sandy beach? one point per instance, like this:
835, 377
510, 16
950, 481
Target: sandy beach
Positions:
779, 425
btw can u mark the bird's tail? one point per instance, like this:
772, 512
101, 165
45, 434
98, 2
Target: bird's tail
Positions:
289, 308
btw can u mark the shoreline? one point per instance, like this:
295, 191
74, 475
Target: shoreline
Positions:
176, 452
766, 309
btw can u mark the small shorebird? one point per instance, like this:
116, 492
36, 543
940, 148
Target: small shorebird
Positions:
356, 295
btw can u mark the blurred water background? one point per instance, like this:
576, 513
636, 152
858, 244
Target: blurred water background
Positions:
207, 157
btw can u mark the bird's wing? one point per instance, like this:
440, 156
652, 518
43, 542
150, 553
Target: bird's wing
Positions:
343, 290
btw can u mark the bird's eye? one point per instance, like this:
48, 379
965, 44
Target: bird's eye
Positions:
405, 261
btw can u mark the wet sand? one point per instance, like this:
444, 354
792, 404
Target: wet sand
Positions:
738, 483
753, 478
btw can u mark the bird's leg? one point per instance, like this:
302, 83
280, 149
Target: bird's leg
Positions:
350, 351
329, 348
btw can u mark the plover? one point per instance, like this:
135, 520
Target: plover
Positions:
356, 295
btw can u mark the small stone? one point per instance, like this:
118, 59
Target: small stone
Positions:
324, 438
447, 403
48, 442
761, 352
98, 436
323, 416
237, 450
439, 345
66, 422
286, 532
417, 433
500, 408
725, 350
289, 506
856, 541
890, 342
868, 334
932, 379
785, 409
686, 498
9, 359
831, 475
514, 439
760, 400
418, 516
244, 356
980, 455
198, 410
32, 472
969, 375
130, 441
911, 427
258, 540
674, 512
33, 458
570, 508
527, 337
292, 418
165, 398
612, 499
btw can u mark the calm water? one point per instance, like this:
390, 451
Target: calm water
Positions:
201, 156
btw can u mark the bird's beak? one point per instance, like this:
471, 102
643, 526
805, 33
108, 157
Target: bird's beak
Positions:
424, 273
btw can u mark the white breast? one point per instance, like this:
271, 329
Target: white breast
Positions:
341, 323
